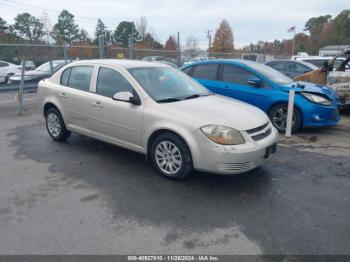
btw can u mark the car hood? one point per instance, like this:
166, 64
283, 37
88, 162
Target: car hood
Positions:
310, 88
218, 110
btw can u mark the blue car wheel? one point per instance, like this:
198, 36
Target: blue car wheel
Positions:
278, 117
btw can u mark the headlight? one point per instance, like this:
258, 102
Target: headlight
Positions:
223, 135
317, 99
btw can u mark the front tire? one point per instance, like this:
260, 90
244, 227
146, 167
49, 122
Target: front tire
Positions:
171, 157
278, 117
55, 125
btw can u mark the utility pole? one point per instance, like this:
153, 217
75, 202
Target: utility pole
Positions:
209, 40
131, 44
178, 49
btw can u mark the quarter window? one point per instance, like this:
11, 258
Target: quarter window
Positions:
236, 75
207, 71
80, 77
188, 70
65, 76
110, 81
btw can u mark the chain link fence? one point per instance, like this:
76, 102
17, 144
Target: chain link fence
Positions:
22, 66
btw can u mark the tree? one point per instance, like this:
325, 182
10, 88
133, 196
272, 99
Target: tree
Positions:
191, 43
100, 29
149, 42
84, 36
301, 42
3, 25
342, 27
141, 27
29, 27
124, 31
223, 41
65, 30
315, 26
171, 44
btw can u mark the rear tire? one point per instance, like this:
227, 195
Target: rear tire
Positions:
55, 125
171, 157
278, 117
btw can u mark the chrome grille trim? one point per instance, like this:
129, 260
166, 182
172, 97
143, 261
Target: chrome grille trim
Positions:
262, 135
257, 129
241, 166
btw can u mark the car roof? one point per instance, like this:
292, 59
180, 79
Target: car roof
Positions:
119, 63
229, 61
294, 61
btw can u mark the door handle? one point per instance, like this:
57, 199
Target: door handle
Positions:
97, 104
64, 95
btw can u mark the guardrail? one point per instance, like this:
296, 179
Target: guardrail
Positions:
16, 87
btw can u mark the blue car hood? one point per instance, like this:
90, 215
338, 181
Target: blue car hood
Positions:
310, 88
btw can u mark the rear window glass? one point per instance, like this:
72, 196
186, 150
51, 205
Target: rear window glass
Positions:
207, 71
80, 77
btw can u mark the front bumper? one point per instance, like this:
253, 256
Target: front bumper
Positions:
229, 160
319, 116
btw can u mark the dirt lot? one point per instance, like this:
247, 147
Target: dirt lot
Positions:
88, 197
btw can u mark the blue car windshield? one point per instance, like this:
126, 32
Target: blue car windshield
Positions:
271, 74
167, 84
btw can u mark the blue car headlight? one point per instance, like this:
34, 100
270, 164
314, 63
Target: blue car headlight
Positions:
317, 99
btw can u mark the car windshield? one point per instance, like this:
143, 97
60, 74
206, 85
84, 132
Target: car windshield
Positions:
165, 84
271, 74
47, 68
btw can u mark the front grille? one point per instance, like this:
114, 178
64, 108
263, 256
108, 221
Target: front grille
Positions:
241, 166
262, 135
257, 129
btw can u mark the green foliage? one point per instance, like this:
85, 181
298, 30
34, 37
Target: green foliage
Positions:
100, 28
28, 27
65, 30
84, 36
124, 31
3, 25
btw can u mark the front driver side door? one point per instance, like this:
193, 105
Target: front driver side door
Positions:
234, 82
115, 121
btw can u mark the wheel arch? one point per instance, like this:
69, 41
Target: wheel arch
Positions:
281, 102
160, 131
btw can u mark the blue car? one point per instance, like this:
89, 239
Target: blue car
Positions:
266, 88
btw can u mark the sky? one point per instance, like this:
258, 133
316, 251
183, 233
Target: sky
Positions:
251, 20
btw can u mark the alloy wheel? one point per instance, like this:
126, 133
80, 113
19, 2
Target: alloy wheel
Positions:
168, 158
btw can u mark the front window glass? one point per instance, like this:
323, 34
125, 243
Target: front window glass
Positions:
110, 82
236, 75
164, 83
271, 74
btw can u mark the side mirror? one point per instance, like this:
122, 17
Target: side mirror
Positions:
257, 82
128, 97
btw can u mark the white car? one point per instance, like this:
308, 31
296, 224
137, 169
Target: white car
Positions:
7, 69
158, 111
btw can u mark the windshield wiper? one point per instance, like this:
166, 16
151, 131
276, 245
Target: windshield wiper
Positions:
168, 100
195, 96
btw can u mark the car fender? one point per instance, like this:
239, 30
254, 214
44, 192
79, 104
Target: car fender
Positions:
177, 128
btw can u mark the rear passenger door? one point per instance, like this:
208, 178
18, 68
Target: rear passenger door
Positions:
75, 95
207, 75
